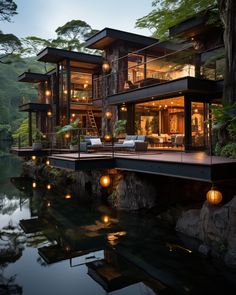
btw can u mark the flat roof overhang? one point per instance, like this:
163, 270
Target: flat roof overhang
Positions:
186, 85
195, 171
28, 152
107, 36
34, 107
32, 77
55, 55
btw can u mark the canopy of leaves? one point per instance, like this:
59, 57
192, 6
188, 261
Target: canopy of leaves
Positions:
9, 44
167, 13
7, 10
75, 29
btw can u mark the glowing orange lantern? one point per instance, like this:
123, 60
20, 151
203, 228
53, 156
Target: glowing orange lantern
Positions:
47, 162
214, 197
108, 115
105, 219
48, 93
106, 67
49, 186
67, 196
49, 113
34, 184
107, 137
33, 158
105, 180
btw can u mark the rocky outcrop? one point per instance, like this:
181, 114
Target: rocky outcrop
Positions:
133, 192
215, 227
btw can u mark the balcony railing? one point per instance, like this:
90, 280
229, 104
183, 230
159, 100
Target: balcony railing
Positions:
141, 72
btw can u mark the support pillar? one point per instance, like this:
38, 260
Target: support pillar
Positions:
30, 138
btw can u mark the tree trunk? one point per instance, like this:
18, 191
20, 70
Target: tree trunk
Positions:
227, 9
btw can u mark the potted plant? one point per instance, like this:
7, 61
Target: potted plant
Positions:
120, 128
74, 143
37, 140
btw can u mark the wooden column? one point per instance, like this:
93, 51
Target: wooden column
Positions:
68, 95
56, 96
130, 128
30, 138
187, 123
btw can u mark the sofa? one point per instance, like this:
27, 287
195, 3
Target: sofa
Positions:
89, 143
133, 142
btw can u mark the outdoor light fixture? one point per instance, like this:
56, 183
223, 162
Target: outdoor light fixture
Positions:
67, 196
73, 115
49, 113
49, 204
33, 158
44, 136
107, 137
34, 184
49, 186
108, 114
105, 180
48, 92
123, 108
214, 196
47, 162
106, 67
67, 135
105, 219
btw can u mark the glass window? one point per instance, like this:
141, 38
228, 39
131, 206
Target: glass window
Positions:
197, 125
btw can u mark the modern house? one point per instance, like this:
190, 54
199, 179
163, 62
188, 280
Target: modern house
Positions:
163, 89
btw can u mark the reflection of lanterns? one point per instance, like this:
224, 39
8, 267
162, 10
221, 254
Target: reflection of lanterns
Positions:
214, 197
105, 180
107, 137
49, 186
33, 158
108, 114
105, 66
105, 219
34, 184
47, 162
67, 196
67, 135
48, 92
49, 113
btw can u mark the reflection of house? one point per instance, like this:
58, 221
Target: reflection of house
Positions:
163, 89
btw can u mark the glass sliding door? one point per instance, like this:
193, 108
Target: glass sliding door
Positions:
198, 126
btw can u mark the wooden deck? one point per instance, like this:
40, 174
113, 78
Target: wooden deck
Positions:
195, 165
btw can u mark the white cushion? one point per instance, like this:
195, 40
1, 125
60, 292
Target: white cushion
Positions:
128, 143
95, 141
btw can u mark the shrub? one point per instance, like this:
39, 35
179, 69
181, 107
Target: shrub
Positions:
229, 150
218, 149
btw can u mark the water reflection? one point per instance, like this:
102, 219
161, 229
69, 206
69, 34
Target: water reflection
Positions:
63, 245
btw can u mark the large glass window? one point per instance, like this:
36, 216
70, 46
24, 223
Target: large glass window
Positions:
197, 124
81, 87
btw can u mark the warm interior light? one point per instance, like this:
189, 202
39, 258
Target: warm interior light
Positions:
49, 113
214, 196
33, 158
34, 184
49, 186
105, 219
105, 180
67, 196
106, 67
73, 115
107, 137
108, 115
48, 92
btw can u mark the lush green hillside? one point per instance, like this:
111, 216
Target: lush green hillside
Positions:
13, 93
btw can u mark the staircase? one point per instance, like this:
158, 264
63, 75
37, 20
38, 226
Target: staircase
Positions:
92, 123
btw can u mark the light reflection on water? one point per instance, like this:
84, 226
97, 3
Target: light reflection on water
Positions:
107, 247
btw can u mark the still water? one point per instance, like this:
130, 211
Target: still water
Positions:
53, 244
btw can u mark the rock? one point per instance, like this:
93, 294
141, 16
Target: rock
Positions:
188, 223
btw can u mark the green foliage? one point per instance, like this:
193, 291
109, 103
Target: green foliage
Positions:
218, 148
225, 117
22, 133
9, 44
74, 29
7, 10
74, 140
229, 150
38, 135
168, 13
69, 127
120, 127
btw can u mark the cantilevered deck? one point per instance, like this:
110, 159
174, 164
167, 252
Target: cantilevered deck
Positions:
197, 166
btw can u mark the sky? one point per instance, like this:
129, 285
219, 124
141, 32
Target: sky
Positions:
42, 17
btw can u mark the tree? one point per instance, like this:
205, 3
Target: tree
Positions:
167, 13
7, 10
9, 44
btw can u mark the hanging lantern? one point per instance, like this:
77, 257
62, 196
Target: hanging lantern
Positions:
67, 196
47, 162
105, 180
49, 204
106, 67
34, 184
105, 219
108, 114
48, 92
49, 113
107, 137
123, 108
67, 135
49, 186
214, 196
33, 158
